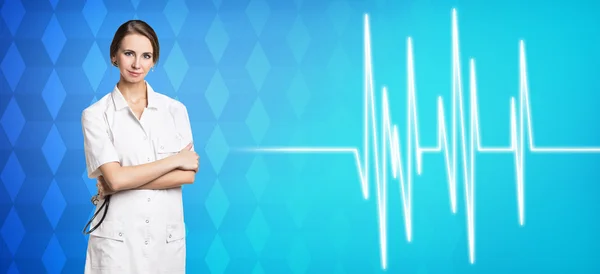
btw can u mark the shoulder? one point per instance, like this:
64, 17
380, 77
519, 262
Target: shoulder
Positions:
97, 109
171, 104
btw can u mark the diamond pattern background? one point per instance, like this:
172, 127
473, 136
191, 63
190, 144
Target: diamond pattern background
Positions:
285, 73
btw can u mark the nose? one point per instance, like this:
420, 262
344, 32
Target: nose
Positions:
136, 63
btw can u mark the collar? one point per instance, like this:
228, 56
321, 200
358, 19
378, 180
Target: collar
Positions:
120, 102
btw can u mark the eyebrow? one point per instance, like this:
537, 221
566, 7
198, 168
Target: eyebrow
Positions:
134, 51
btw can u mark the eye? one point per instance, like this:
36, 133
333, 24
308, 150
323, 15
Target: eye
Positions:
128, 53
147, 56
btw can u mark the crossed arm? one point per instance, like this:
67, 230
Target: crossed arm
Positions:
161, 174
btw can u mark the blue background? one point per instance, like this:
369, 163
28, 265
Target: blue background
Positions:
289, 73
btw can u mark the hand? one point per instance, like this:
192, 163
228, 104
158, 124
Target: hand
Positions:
103, 188
188, 159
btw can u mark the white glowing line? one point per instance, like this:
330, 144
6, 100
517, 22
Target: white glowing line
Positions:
391, 137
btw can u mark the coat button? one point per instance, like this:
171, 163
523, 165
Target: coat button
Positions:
169, 235
147, 221
120, 234
146, 242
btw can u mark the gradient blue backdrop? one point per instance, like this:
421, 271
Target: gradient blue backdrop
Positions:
289, 73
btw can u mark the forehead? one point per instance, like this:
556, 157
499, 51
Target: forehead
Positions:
136, 42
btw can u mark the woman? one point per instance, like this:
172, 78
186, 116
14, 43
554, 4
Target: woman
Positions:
138, 144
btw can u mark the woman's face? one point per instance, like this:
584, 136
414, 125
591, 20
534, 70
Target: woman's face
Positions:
134, 58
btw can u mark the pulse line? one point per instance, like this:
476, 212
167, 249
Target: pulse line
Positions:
390, 137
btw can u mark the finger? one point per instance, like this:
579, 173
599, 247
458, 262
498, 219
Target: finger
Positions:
189, 146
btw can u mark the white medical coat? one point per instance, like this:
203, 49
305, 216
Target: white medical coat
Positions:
144, 230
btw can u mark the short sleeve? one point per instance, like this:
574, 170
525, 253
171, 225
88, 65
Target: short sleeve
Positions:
97, 143
182, 123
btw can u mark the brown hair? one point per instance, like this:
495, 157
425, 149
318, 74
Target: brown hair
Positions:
135, 27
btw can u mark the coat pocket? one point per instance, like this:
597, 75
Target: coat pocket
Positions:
174, 256
168, 144
107, 246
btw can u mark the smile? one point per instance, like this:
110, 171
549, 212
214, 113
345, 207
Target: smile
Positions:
134, 74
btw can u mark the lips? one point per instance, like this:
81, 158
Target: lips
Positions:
134, 74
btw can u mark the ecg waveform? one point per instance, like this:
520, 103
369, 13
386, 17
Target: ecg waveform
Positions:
520, 113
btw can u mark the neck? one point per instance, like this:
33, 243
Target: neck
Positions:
132, 91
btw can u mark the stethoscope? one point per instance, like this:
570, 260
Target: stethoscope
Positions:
95, 201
